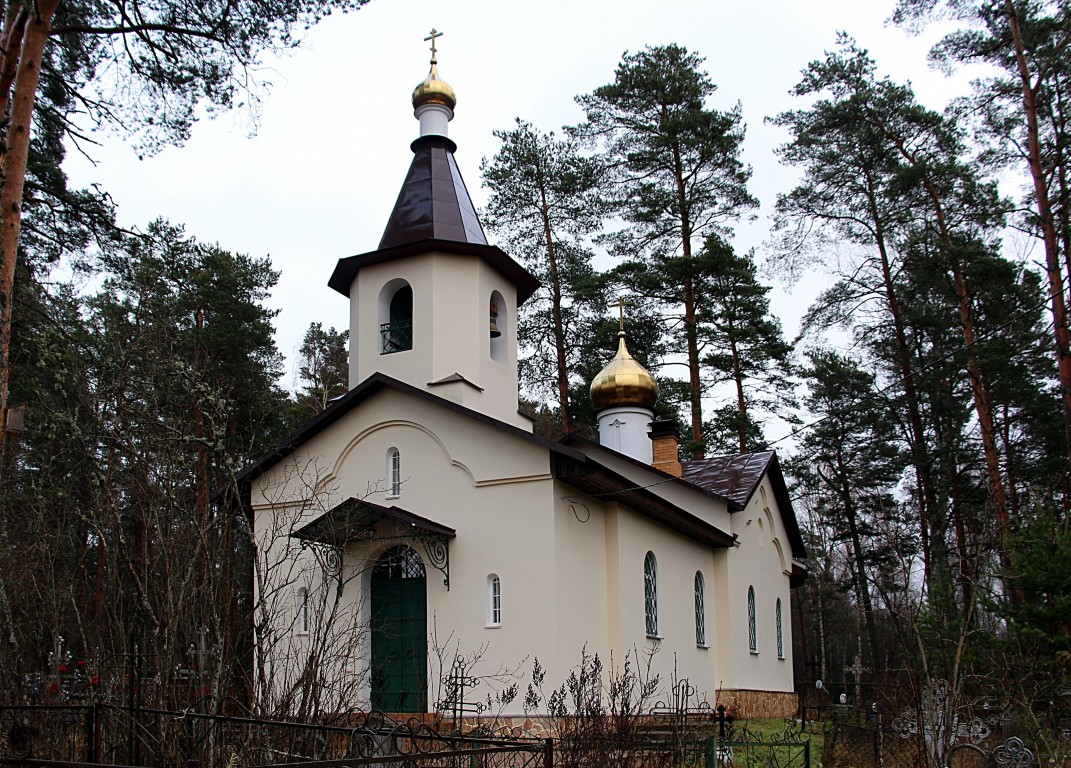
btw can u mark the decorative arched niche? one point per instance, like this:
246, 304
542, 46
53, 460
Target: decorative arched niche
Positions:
499, 324
395, 317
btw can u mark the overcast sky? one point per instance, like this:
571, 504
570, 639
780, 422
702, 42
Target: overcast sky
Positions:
317, 178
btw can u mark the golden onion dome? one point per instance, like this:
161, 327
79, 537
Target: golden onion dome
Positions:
623, 382
434, 90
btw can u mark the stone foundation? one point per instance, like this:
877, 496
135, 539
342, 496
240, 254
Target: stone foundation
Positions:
740, 704
506, 726
753, 705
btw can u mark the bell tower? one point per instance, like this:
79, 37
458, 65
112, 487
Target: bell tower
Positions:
435, 306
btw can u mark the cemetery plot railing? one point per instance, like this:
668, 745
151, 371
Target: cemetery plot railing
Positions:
104, 734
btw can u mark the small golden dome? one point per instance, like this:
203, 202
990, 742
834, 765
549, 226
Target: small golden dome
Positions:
434, 90
623, 382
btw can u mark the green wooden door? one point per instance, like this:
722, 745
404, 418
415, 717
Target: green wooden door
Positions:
399, 632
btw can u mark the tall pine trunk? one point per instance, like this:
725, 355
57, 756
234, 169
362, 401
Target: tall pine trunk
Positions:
556, 317
919, 454
1053, 270
691, 330
982, 409
13, 180
741, 401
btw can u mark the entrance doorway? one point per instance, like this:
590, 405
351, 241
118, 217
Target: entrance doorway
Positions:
399, 632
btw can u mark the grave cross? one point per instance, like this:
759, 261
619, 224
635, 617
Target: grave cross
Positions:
722, 720
857, 669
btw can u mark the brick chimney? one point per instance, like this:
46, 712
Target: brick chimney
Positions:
664, 440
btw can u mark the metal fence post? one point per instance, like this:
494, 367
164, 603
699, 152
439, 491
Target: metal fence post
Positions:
548, 753
89, 732
92, 733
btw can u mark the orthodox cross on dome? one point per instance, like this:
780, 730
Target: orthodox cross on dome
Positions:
434, 34
621, 304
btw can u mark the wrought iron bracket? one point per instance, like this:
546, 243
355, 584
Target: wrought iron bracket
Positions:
327, 555
437, 550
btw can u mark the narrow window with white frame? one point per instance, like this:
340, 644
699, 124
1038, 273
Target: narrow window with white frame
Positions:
780, 632
650, 594
303, 611
494, 601
700, 611
752, 636
394, 473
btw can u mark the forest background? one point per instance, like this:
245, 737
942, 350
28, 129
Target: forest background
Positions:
928, 391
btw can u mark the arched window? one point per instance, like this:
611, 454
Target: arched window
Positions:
752, 639
499, 333
394, 473
303, 611
494, 601
399, 563
780, 635
650, 594
395, 317
700, 610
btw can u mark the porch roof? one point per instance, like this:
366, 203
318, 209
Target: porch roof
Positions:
354, 520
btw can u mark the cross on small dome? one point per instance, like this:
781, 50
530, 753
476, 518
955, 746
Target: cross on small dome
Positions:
434, 90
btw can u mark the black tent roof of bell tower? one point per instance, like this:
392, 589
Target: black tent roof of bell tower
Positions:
434, 202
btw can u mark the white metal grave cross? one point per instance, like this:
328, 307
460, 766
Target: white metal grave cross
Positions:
856, 669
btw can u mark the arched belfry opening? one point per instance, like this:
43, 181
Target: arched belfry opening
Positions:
399, 632
395, 317
498, 333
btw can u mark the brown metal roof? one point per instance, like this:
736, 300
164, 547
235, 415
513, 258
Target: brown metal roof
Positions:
734, 477
354, 518
738, 477
596, 480
347, 268
352, 399
433, 202
434, 213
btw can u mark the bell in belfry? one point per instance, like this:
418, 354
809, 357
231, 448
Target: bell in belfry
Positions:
495, 333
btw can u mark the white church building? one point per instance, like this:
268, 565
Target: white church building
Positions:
419, 518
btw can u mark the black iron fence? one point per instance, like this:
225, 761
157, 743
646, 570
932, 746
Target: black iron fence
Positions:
103, 734
78, 736
876, 746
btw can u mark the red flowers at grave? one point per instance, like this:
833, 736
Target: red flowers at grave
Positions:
208, 691
54, 688
95, 680
81, 664
62, 669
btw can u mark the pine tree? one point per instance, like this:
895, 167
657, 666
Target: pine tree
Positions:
324, 370
742, 344
851, 466
546, 199
165, 61
885, 172
141, 400
680, 178
1021, 109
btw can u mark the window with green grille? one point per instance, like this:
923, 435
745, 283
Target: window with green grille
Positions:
650, 594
